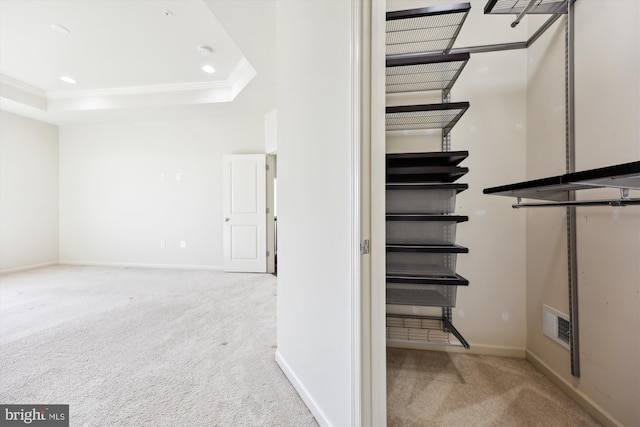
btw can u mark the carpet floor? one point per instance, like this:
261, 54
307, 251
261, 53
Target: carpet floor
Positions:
142, 347
433, 388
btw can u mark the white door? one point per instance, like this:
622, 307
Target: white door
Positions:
244, 213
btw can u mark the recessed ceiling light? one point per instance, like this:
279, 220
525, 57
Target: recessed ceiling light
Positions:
208, 69
68, 79
60, 29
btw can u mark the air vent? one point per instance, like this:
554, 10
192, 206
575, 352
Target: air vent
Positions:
556, 325
564, 329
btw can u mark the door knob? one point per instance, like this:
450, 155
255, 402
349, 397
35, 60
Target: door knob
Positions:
226, 220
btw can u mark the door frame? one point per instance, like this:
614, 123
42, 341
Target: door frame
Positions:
271, 249
368, 39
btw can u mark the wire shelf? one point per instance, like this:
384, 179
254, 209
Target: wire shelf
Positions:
423, 330
422, 229
411, 198
424, 72
558, 188
426, 174
429, 116
515, 7
421, 295
425, 30
449, 279
456, 188
423, 260
430, 158
430, 249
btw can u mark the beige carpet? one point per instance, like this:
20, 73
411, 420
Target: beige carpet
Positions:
141, 347
432, 388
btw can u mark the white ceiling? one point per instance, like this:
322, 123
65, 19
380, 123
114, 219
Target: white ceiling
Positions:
124, 55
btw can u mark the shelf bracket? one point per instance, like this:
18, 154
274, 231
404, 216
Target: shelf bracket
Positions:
624, 194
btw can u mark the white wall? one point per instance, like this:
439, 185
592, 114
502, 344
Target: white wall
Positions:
315, 337
607, 71
28, 192
490, 313
114, 208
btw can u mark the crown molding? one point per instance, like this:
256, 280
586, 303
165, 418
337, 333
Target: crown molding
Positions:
137, 90
22, 98
25, 87
239, 73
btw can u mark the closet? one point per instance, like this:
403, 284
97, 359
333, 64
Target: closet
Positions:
421, 186
464, 269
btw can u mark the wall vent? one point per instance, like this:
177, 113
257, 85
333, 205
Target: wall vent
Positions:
556, 325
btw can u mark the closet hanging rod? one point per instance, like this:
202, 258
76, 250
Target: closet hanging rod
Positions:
609, 202
524, 12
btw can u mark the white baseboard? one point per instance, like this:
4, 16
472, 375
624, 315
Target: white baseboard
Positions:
28, 267
595, 410
319, 415
136, 265
491, 350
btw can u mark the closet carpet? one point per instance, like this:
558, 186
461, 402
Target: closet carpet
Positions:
145, 347
433, 388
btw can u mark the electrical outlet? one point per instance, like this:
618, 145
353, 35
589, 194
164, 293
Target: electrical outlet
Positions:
163, 244
183, 244
178, 176
162, 177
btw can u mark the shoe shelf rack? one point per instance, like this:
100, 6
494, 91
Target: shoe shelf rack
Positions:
424, 72
421, 188
430, 116
424, 30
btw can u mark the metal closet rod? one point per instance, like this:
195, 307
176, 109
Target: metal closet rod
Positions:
610, 202
524, 12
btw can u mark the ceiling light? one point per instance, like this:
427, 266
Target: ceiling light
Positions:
208, 69
60, 29
205, 50
68, 79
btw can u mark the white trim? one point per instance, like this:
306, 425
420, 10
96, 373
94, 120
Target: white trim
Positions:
356, 296
25, 87
490, 350
141, 265
28, 267
138, 90
304, 394
377, 205
242, 67
595, 410
270, 226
